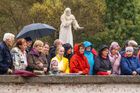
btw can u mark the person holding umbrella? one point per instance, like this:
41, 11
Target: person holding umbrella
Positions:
29, 42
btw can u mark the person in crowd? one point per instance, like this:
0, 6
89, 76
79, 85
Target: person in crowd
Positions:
68, 51
6, 63
52, 50
90, 56
29, 42
54, 68
115, 44
115, 58
102, 62
46, 53
37, 61
131, 43
79, 63
129, 63
19, 55
138, 54
59, 64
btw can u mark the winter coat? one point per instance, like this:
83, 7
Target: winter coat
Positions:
5, 58
115, 62
79, 62
19, 59
102, 64
138, 55
129, 64
34, 58
90, 57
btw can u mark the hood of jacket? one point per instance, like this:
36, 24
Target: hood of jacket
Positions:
102, 48
67, 46
76, 50
87, 44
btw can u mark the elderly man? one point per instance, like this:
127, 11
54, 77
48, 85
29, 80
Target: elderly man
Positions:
6, 64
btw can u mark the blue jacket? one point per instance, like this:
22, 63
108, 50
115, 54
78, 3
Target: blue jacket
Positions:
90, 57
129, 64
5, 58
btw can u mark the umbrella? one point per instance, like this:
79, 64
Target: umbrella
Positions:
35, 30
24, 73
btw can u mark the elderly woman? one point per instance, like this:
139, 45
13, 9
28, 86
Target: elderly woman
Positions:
37, 61
19, 55
102, 62
52, 49
59, 64
129, 63
115, 57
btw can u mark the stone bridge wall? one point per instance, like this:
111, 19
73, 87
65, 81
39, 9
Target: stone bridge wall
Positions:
70, 84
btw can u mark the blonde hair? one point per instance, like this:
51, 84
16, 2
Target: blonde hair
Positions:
58, 48
37, 43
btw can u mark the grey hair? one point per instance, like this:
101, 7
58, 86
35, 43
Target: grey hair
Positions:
132, 43
8, 36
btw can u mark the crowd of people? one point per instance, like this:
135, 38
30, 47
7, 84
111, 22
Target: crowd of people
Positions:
23, 56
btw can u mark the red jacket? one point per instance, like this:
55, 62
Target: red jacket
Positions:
79, 62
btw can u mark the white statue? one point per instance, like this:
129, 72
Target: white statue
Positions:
67, 21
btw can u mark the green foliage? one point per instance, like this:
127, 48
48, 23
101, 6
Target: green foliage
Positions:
104, 21
121, 23
13, 15
88, 13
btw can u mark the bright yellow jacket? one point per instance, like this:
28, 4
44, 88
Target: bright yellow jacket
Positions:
63, 64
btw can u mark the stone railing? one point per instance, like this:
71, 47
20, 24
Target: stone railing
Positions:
69, 84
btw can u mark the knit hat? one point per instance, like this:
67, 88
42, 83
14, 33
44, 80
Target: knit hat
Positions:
67, 46
114, 45
129, 49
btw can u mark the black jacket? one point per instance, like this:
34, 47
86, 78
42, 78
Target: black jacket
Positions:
102, 64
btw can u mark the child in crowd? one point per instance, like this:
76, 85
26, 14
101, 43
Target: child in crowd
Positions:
59, 64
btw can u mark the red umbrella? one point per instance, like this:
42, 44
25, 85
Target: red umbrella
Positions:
24, 73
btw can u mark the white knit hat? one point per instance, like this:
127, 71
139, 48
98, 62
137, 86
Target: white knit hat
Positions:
129, 49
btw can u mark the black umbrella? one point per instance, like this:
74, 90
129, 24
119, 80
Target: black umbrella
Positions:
36, 30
